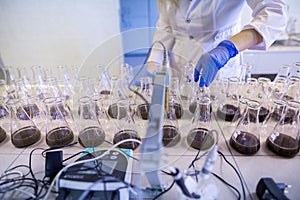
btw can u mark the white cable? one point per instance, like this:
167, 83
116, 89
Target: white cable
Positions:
56, 179
27, 193
5, 174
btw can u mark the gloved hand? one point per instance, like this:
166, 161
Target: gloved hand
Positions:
211, 62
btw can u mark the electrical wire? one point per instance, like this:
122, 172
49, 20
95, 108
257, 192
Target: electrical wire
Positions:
225, 182
56, 179
165, 191
140, 70
238, 174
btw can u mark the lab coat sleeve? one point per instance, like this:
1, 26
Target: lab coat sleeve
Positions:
164, 34
269, 20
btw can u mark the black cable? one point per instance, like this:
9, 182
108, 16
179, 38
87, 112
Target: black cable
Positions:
225, 182
165, 191
239, 176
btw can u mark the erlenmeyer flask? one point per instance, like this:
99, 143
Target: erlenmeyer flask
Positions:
58, 131
283, 72
261, 94
145, 90
38, 80
245, 72
246, 137
277, 109
115, 95
90, 131
229, 109
200, 136
293, 90
24, 132
175, 97
200, 93
279, 88
171, 134
284, 138
187, 83
295, 70
101, 113
125, 126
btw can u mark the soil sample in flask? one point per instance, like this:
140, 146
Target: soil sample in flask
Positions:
229, 109
91, 133
125, 127
145, 90
171, 134
116, 95
2, 134
284, 138
200, 137
175, 97
246, 137
23, 132
58, 131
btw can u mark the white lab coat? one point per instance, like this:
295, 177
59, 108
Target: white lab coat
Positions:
197, 26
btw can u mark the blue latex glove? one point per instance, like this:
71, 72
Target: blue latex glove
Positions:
211, 62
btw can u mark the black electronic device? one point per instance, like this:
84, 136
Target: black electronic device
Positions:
106, 177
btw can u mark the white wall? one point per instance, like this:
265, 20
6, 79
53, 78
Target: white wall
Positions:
60, 32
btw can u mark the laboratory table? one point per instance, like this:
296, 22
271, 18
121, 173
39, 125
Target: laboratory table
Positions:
251, 168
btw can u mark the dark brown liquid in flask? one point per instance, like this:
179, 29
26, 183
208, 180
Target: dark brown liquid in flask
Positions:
127, 134
245, 143
200, 139
91, 137
59, 136
143, 111
113, 111
171, 136
283, 145
228, 112
25, 136
262, 114
2, 134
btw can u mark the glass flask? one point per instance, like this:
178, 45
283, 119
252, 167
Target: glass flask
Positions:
284, 138
229, 109
187, 83
24, 131
116, 94
283, 72
295, 70
90, 132
101, 112
199, 136
38, 80
246, 137
171, 134
261, 94
279, 88
293, 90
277, 109
175, 97
58, 131
245, 72
51, 88
199, 93
145, 90
125, 126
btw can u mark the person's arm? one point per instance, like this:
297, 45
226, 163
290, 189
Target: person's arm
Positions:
269, 20
246, 39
